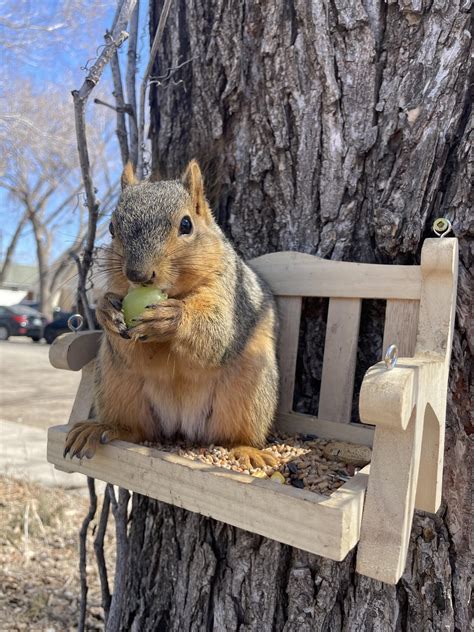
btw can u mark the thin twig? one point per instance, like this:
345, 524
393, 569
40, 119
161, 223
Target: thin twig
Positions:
126, 109
154, 49
82, 292
83, 552
170, 72
130, 82
120, 106
120, 511
80, 97
99, 554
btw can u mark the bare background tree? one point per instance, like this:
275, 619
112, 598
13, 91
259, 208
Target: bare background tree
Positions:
39, 169
28, 30
340, 129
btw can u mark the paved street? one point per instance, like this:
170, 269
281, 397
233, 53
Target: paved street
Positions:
33, 396
32, 392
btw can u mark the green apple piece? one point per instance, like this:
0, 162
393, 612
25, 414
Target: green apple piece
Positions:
134, 304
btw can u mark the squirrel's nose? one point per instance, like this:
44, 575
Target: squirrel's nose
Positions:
139, 276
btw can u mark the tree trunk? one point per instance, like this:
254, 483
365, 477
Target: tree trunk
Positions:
7, 261
339, 128
42, 260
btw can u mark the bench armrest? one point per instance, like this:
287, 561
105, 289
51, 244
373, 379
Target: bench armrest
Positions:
73, 351
387, 398
407, 405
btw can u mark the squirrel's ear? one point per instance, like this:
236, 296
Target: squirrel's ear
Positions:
193, 183
128, 176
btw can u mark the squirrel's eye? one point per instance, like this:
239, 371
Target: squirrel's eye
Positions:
112, 230
186, 226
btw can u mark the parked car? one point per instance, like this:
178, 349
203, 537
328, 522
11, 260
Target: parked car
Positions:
59, 326
21, 320
30, 303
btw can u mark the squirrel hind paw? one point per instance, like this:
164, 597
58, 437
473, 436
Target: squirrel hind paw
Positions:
253, 457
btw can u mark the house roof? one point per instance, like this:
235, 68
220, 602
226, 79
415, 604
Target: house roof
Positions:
20, 276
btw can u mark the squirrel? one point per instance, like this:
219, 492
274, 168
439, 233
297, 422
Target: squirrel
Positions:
201, 364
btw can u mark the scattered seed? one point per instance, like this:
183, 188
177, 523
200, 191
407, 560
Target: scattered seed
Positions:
278, 477
296, 482
293, 467
303, 461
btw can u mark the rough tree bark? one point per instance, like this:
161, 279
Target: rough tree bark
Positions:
340, 128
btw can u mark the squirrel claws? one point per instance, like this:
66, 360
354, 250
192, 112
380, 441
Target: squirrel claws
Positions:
84, 438
253, 457
115, 301
158, 323
110, 316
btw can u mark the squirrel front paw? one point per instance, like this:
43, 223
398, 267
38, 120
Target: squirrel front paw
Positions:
85, 436
110, 316
159, 322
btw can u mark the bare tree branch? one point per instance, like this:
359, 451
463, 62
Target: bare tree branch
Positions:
32, 31
40, 172
130, 82
60, 208
126, 108
62, 263
82, 291
47, 194
99, 553
120, 511
120, 107
117, 37
7, 186
83, 552
141, 117
41, 254
12, 245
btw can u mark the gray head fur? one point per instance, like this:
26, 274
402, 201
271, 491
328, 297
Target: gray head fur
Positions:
144, 218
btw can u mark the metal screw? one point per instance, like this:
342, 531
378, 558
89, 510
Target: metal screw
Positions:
391, 357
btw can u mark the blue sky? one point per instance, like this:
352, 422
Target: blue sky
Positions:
49, 43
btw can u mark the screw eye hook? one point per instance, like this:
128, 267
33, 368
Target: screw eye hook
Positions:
391, 357
442, 227
75, 323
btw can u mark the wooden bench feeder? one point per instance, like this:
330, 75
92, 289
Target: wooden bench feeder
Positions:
407, 405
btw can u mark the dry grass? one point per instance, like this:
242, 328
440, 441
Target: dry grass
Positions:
39, 577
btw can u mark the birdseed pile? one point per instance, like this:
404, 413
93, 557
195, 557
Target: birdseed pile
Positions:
303, 461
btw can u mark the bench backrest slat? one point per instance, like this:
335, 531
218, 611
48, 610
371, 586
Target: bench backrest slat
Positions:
401, 326
339, 361
300, 274
289, 312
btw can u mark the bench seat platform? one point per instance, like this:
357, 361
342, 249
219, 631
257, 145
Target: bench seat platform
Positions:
328, 526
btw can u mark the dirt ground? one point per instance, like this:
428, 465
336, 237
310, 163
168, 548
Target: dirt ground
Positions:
39, 577
33, 392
